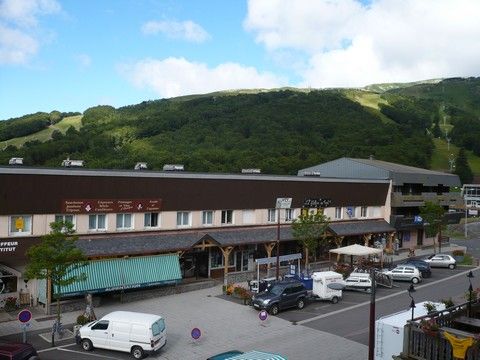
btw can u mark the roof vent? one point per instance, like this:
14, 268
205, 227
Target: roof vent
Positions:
312, 173
251, 171
72, 163
15, 161
173, 167
141, 166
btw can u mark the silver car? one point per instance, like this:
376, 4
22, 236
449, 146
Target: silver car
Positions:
441, 260
405, 273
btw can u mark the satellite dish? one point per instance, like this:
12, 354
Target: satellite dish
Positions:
336, 286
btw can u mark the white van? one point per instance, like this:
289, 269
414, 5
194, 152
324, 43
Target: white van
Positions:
136, 333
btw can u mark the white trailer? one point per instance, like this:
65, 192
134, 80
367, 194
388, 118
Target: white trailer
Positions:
389, 330
320, 289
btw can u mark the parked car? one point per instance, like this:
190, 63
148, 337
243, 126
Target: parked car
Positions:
405, 273
441, 260
421, 265
18, 351
281, 295
136, 333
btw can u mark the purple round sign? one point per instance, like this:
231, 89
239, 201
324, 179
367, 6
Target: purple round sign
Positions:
24, 316
263, 315
196, 333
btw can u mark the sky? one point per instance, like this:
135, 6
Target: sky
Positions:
71, 55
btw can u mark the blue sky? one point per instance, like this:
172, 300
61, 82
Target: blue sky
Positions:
71, 55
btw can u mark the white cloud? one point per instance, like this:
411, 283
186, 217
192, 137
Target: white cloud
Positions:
177, 76
348, 43
83, 60
19, 39
187, 30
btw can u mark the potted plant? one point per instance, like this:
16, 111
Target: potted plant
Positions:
81, 320
459, 255
430, 307
429, 327
10, 303
448, 303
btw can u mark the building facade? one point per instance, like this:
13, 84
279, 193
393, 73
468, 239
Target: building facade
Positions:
132, 223
410, 188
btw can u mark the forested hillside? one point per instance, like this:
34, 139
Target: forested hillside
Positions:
278, 131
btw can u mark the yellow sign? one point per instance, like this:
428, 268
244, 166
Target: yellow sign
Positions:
320, 211
19, 223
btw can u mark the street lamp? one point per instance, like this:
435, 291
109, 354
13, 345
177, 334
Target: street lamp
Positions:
411, 290
371, 333
470, 291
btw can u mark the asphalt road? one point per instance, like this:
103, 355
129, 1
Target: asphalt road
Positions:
350, 317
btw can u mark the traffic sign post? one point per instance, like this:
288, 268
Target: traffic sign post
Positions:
196, 333
24, 317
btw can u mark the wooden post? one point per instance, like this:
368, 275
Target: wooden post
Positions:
366, 238
269, 248
226, 254
390, 240
338, 242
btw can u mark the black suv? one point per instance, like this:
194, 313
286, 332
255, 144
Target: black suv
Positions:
281, 295
421, 265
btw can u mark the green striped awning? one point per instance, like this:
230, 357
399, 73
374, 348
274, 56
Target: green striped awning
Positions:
257, 355
125, 273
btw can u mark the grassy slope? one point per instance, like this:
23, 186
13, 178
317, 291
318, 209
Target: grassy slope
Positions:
442, 154
45, 134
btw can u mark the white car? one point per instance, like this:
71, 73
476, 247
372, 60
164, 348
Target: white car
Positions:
441, 260
405, 273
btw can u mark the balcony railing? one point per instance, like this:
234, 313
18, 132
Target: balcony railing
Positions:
445, 199
420, 344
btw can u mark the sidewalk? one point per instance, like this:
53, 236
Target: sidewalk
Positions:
224, 326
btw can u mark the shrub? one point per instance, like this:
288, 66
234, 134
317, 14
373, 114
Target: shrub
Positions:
448, 303
229, 290
430, 307
10, 303
82, 320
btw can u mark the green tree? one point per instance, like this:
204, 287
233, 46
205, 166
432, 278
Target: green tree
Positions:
309, 229
462, 169
54, 259
432, 215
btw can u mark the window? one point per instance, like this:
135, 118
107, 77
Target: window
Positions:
248, 216
227, 217
288, 214
101, 325
363, 211
151, 220
20, 225
66, 218
272, 215
338, 213
216, 259
183, 218
97, 222
124, 221
375, 211
207, 217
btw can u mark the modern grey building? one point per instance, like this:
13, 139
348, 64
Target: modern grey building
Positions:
410, 188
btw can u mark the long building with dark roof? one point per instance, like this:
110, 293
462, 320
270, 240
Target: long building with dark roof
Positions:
166, 226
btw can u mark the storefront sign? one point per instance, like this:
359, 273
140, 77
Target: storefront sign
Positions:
316, 203
8, 246
90, 206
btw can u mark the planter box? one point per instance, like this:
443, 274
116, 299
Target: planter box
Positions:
459, 258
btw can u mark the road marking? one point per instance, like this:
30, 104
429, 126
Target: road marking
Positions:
383, 298
55, 348
91, 354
